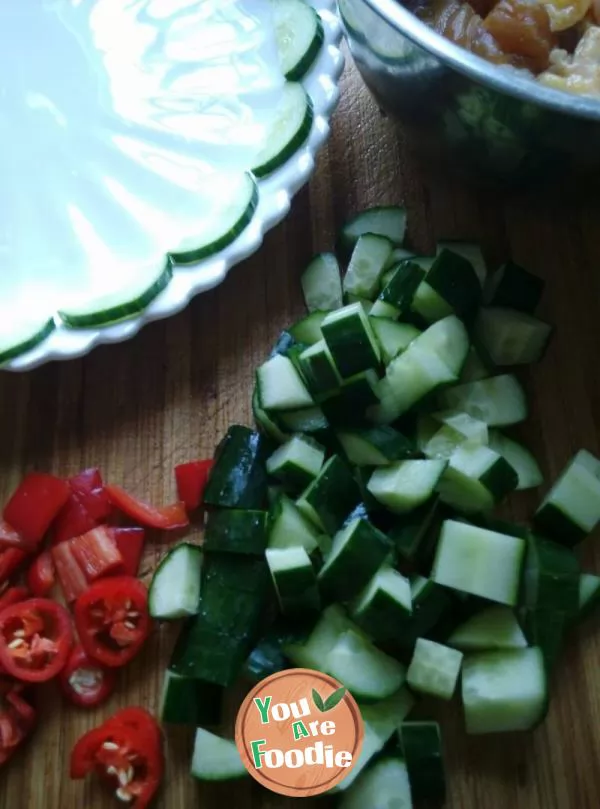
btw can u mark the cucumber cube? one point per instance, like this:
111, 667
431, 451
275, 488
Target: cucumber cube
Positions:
434, 669
350, 339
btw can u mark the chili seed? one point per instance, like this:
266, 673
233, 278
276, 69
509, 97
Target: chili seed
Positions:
16, 643
133, 614
123, 795
19, 633
129, 625
123, 777
110, 746
128, 604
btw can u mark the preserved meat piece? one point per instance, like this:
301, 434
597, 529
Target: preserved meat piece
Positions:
458, 22
564, 14
522, 28
578, 73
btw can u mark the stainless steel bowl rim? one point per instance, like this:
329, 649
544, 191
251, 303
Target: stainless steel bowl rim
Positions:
501, 79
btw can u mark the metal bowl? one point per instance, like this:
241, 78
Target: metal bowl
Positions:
488, 123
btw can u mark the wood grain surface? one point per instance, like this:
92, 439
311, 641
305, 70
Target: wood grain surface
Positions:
138, 408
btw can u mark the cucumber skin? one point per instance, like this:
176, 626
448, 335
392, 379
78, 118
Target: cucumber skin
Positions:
550, 577
26, 345
519, 289
238, 478
292, 147
421, 744
198, 703
333, 494
551, 521
236, 531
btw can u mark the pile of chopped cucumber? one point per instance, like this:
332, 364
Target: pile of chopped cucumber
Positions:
353, 532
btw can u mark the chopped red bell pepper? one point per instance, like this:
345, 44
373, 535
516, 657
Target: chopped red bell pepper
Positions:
130, 758
41, 575
12, 539
84, 681
35, 504
10, 560
87, 506
12, 596
167, 517
130, 542
35, 639
191, 479
68, 571
96, 553
17, 717
112, 619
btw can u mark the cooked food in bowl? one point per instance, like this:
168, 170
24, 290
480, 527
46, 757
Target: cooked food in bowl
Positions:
558, 41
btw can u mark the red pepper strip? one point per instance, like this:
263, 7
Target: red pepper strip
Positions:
35, 504
72, 521
96, 553
41, 575
10, 560
86, 507
112, 619
130, 542
11, 538
12, 596
191, 479
129, 758
84, 681
166, 518
70, 575
35, 639
17, 718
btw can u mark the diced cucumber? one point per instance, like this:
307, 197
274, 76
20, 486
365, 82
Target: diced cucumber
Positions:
480, 562
385, 785
519, 457
280, 385
321, 281
289, 529
456, 429
429, 603
474, 368
308, 330
434, 669
514, 287
318, 368
375, 446
589, 594
174, 591
386, 716
346, 407
388, 221
404, 485
385, 601
428, 304
287, 132
297, 463
215, 758
476, 478
426, 427
186, 701
393, 338
571, 509
492, 628
238, 478
294, 579
236, 531
550, 577
310, 420
546, 630
371, 746
313, 652
357, 552
264, 422
422, 746
299, 36
510, 337
331, 497
396, 298
398, 254
448, 340
452, 278
268, 656
499, 400
367, 262
504, 690
350, 339
472, 253
414, 535
366, 671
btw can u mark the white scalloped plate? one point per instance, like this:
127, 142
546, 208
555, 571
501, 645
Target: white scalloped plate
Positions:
275, 195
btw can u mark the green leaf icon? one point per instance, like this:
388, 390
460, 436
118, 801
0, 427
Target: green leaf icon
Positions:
317, 700
335, 698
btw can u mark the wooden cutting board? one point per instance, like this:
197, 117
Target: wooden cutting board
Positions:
138, 408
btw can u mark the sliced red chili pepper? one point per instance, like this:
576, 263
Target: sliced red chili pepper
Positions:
41, 575
12, 539
87, 506
34, 505
96, 553
84, 681
17, 718
12, 596
10, 560
130, 542
166, 517
128, 758
112, 619
191, 479
35, 639
70, 575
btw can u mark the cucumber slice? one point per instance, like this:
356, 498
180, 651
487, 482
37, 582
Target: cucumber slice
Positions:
27, 337
434, 669
480, 562
287, 133
186, 701
514, 287
492, 628
571, 509
331, 497
475, 479
280, 386
385, 602
299, 36
215, 758
589, 594
519, 457
120, 305
450, 287
504, 691
321, 282
308, 330
288, 528
388, 221
397, 296
422, 745
365, 670
297, 462
375, 446
393, 338
510, 337
235, 530
318, 369
350, 339
403, 486
238, 478
174, 591
367, 263
471, 252
499, 400
294, 580
385, 785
